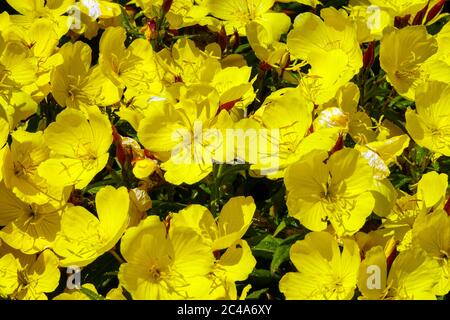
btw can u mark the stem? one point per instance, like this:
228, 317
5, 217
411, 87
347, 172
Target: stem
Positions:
215, 187
116, 256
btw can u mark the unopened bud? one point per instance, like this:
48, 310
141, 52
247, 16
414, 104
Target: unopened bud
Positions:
131, 10
369, 56
339, 144
391, 255
228, 105
447, 207
418, 19
437, 8
235, 40
167, 4
401, 22
222, 39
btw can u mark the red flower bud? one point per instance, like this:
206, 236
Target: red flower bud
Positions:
391, 258
401, 22
369, 56
435, 11
339, 144
228, 105
447, 207
167, 4
418, 19
235, 40
222, 39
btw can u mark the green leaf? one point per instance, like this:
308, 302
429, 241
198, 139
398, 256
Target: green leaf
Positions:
280, 228
261, 278
290, 240
91, 294
420, 154
256, 294
267, 247
281, 255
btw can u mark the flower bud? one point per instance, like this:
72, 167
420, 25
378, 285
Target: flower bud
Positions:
437, 8
167, 4
401, 22
222, 39
418, 19
369, 56
447, 207
235, 40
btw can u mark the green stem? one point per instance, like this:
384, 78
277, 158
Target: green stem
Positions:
116, 256
215, 187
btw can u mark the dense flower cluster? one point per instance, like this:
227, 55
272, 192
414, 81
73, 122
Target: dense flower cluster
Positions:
224, 149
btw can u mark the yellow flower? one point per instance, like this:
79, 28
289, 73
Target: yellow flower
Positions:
223, 233
336, 190
236, 14
402, 53
42, 40
412, 276
186, 65
235, 264
438, 66
324, 272
8, 274
76, 85
232, 223
79, 148
283, 136
84, 237
264, 40
186, 136
31, 10
327, 45
430, 196
432, 234
164, 266
429, 125
182, 13
20, 169
28, 228
17, 69
134, 67
30, 281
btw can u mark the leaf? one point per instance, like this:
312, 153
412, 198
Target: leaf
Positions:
267, 247
91, 294
280, 228
281, 255
256, 294
261, 278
